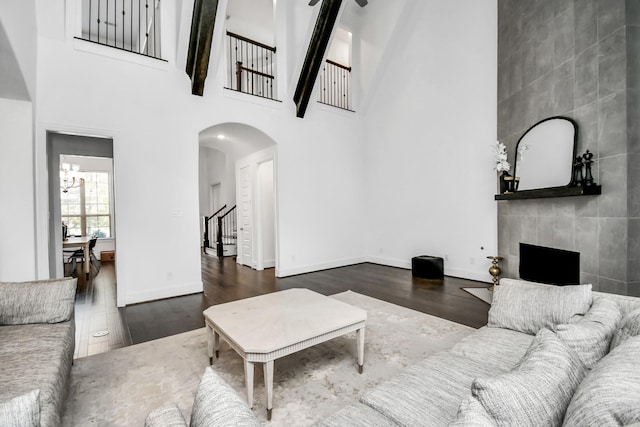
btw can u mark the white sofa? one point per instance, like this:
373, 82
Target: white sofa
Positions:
549, 355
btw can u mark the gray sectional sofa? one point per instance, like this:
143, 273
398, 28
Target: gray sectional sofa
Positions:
549, 355
37, 340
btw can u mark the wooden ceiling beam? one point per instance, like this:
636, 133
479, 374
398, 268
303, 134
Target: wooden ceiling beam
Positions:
315, 53
202, 22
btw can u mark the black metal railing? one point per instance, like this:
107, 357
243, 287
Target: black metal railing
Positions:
131, 25
209, 231
251, 66
335, 85
227, 233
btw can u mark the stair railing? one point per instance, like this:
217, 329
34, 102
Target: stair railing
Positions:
251, 66
226, 231
335, 85
207, 229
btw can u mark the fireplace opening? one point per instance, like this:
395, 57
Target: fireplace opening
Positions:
549, 265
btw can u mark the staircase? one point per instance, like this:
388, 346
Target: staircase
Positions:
220, 233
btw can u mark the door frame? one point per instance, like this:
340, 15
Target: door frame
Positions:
253, 161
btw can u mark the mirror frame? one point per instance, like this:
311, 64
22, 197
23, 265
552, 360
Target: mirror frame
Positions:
573, 157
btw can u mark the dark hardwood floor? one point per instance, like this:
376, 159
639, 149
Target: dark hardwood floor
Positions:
226, 281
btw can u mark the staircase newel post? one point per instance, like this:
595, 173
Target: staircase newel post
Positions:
219, 245
206, 235
239, 76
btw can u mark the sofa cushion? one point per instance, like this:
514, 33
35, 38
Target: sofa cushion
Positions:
37, 356
496, 346
429, 392
590, 337
356, 415
167, 416
528, 308
218, 405
538, 389
472, 414
40, 301
610, 393
629, 327
21, 411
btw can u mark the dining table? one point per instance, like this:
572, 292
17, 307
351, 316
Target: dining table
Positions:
80, 242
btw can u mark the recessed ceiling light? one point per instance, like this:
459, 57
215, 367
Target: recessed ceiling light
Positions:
220, 136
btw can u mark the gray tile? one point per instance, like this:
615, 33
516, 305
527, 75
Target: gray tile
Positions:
586, 27
564, 233
587, 244
515, 234
613, 177
633, 57
563, 5
529, 69
633, 251
529, 230
612, 249
612, 66
612, 125
564, 208
633, 129
545, 48
633, 12
564, 41
563, 85
503, 208
586, 278
587, 207
515, 68
586, 77
611, 17
611, 286
545, 230
586, 118
545, 207
633, 289
633, 185
538, 100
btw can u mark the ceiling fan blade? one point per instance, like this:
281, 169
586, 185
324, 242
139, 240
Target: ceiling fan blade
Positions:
313, 2
362, 3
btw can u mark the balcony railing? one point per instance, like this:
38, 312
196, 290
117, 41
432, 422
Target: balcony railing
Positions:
335, 85
251, 66
131, 25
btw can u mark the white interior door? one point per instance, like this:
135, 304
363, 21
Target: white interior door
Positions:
245, 217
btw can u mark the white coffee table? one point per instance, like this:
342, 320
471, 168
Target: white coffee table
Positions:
267, 327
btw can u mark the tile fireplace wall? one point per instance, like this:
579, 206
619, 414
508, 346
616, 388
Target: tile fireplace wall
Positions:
581, 59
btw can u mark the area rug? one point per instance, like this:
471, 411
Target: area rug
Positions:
120, 387
482, 293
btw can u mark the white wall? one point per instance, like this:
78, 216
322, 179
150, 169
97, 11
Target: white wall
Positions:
430, 182
17, 245
147, 108
422, 148
18, 18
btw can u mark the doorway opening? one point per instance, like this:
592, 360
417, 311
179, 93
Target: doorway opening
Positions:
237, 164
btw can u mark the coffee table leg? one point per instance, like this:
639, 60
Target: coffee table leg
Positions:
268, 383
210, 344
248, 377
360, 338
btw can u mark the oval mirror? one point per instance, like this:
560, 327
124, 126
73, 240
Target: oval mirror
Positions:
545, 154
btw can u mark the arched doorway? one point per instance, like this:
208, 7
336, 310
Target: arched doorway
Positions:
239, 161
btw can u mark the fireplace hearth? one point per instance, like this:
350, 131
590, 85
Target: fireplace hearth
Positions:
549, 265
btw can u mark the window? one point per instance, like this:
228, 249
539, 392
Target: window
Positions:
86, 208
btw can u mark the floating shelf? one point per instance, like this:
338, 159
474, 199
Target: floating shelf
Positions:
543, 193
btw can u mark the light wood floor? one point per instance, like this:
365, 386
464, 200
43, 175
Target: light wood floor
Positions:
226, 281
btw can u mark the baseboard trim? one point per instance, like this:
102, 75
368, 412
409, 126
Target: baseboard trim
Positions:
284, 272
479, 276
162, 293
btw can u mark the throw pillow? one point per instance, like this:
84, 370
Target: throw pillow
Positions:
537, 390
630, 327
528, 308
21, 411
610, 393
218, 405
591, 335
38, 301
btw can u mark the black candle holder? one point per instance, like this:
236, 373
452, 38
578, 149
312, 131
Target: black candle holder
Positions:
588, 177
